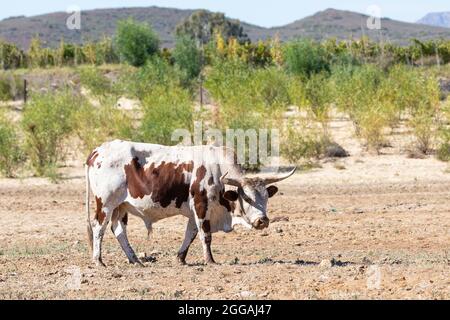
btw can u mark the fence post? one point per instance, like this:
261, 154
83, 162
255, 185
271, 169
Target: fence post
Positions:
25, 91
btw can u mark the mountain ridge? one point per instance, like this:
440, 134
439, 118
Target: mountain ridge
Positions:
97, 23
438, 19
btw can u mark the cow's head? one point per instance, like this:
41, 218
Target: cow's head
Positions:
251, 198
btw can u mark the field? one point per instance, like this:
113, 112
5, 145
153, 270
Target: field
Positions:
366, 123
364, 227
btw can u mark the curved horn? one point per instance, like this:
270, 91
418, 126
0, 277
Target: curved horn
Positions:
275, 179
231, 182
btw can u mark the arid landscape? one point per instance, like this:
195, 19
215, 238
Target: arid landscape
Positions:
368, 226
359, 104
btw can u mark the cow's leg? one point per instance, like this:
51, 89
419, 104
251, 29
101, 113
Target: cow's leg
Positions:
100, 223
204, 228
189, 236
199, 206
119, 228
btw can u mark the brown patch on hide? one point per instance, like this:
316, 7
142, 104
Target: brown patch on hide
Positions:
99, 214
165, 183
91, 159
199, 195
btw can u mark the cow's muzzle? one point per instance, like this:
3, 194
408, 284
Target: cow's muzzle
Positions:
261, 223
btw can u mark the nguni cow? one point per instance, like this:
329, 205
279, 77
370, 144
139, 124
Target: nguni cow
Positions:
155, 182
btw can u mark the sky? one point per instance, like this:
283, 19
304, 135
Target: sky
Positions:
267, 13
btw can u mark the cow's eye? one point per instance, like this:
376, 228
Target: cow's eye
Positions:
272, 190
231, 196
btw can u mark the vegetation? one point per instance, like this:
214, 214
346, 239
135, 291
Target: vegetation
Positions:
47, 124
10, 151
202, 25
188, 57
136, 42
250, 85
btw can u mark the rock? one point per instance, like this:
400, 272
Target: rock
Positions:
326, 263
335, 151
280, 219
246, 294
142, 255
127, 104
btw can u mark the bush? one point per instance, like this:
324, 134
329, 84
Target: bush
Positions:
443, 151
136, 42
47, 123
165, 110
424, 111
10, 153
302, 141
318, 95
95, 81
305, 57
95, 125
137, 83
11, 86
250, 97
188, 57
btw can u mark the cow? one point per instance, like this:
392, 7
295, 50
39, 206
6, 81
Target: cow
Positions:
155, 182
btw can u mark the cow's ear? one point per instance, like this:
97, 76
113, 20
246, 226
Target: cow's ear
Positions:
272, 190
231, 196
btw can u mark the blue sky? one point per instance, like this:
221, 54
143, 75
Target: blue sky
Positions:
266, 13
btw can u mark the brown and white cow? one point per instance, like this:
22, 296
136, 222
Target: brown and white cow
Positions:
155, 182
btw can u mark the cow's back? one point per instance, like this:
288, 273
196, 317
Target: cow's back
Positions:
152, 176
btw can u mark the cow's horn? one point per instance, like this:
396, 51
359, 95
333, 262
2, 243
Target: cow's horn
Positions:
230, 182
272, 180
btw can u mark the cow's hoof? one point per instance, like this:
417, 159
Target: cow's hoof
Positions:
138, 264
181, 261
99, 264
211, 262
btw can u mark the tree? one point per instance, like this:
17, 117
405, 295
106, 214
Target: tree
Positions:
202, 25
188, 56
136, 42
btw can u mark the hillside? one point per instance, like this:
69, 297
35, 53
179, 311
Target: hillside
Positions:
437, 19
102, 22
345, 24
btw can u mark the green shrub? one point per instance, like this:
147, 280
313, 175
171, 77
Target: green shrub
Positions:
165, 110
96, 125
318, 95
136, 42
137, 83
10, 152
188, 57
443, 151
250, 97
11, 86
95, 81
301, 141
47, 123
424, 111
305, 57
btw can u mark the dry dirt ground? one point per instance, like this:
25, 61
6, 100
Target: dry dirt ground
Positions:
372, 227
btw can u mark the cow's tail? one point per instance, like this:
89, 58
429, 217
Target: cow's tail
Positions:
88, 214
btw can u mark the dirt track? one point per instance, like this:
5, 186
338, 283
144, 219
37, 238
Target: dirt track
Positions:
389, 238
